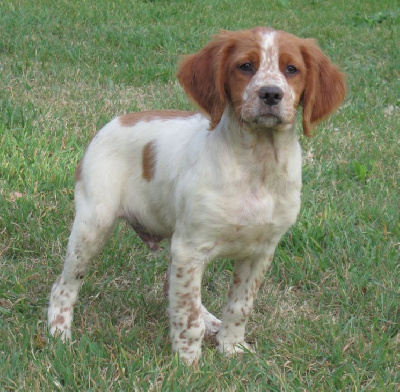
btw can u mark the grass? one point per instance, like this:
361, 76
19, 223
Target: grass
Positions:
327, 317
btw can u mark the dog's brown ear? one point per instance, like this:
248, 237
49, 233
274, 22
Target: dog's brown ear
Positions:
203, 74
325, 86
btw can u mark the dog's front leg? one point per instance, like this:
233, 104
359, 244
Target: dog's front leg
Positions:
185, 309
247, 278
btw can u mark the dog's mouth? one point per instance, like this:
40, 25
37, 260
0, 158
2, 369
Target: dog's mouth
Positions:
268, 118
265, 120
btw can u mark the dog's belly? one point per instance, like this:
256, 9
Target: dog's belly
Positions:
219, 226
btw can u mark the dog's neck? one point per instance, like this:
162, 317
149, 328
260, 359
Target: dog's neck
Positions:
272, 144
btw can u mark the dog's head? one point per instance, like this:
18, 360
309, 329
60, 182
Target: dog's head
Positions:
264, 75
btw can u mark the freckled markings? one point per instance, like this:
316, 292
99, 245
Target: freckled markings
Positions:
58, 320
269, 67
269, 72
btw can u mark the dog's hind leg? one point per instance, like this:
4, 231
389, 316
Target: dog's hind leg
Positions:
93, 224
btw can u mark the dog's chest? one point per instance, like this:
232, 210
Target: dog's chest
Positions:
265, 207
243, 217
256, 208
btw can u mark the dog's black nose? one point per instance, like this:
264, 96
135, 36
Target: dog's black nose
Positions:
271, 95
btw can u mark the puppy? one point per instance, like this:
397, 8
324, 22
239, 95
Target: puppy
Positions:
221, 183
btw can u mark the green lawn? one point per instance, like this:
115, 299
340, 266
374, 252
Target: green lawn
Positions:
327, 317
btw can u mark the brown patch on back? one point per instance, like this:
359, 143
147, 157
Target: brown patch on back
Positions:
131, 119
149, 160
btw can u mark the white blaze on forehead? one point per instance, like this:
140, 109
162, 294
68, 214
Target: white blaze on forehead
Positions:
268, 72
269, 53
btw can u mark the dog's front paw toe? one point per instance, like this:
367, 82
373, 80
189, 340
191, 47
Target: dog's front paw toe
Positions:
230, 348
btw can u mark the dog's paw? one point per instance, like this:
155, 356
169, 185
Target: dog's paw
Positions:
59, 322
64, 334
212, 324
229, 348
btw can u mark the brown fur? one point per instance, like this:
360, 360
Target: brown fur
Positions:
131, 119
325, 87
203, 74
149, 160
210, 77
290, 53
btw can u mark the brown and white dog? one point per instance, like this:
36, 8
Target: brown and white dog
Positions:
223, 183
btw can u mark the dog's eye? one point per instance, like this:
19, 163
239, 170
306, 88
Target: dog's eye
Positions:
246, 67
291, 70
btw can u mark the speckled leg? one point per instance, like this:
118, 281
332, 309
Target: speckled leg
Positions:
185, 309
211, 323
246, 281
89, 233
